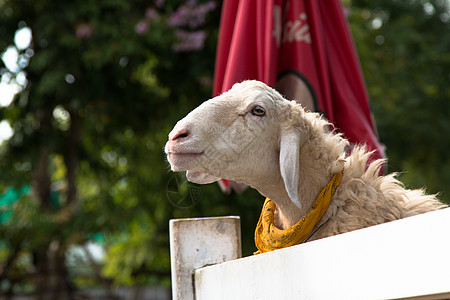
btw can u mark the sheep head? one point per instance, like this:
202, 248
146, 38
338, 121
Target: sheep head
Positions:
243, 135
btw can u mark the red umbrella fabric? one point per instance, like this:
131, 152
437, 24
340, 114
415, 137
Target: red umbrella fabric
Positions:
304, 48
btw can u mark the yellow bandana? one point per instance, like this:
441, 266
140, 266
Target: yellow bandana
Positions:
268, 237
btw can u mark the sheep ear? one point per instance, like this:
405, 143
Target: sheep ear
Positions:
290, 163
200, 178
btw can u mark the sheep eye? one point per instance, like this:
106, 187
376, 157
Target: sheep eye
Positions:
258, 111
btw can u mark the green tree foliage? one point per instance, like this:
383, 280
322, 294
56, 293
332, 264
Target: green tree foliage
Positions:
106, 80
404, 50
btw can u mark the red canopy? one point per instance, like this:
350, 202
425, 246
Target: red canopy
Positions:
276, 40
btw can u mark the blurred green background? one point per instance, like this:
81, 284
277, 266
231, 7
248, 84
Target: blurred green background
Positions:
89, 91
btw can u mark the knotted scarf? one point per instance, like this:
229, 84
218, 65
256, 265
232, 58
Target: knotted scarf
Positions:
268, 237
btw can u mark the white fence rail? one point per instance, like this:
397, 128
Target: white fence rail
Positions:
405, 259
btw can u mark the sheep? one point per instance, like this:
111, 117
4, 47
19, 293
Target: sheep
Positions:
252, 135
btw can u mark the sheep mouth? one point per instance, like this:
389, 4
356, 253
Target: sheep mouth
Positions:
182, 161
184, 155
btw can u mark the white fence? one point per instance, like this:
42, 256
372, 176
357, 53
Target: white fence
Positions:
405, 259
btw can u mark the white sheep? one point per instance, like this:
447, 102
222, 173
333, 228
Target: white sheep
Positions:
252, 135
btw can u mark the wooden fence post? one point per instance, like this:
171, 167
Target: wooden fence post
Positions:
199, 242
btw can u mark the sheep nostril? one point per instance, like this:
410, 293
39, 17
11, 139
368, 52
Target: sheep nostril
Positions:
180, 134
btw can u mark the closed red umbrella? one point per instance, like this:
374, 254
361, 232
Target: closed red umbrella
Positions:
303, 48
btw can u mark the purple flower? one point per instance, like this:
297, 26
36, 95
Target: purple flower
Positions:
189, 41
83, 31
142, 27
159, 3
191, 14
151, 14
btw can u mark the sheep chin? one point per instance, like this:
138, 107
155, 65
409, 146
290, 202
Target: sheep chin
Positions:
200, 177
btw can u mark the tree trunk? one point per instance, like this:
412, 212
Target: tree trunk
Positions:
41, 188
41, 274
51, 277
71, 159
41, 179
